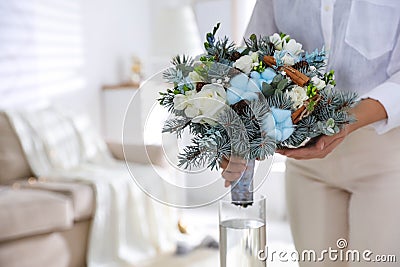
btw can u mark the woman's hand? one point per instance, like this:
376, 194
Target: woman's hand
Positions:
319, 149
233, 169
366, 112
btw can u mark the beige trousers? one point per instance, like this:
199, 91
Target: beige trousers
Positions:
352, 194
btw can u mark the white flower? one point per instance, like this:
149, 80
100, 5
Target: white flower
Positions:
320, 84
209, 101
185, 102
254, 56
293, 47
298, 95
192, 111
244, 63
328, 87
195, 77
276, 40
288, 60
180, 102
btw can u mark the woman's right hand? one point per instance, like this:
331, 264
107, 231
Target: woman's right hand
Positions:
233, 168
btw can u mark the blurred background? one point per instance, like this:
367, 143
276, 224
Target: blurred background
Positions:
66, 51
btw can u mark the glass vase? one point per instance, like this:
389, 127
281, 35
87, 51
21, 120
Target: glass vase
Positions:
242, 232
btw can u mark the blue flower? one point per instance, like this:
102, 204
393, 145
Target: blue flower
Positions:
268, 75
265, 77
242, 88
278, 125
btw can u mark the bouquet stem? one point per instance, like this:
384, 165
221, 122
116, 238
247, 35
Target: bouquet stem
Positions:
242, 189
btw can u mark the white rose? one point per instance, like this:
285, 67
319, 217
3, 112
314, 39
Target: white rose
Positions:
195, 77
244, 63
276, 40
298, 95
293, 47
209, 101
320, 84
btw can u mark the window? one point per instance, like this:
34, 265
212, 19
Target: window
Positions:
41, 49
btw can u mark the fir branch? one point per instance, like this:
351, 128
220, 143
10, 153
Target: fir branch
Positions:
198, 128
222, 51
262, 147
182, 60
252, 43
316, 58
266, 48
337, 99
192, 157
167, 99
304, 130
280, 100
176, 125
184, 64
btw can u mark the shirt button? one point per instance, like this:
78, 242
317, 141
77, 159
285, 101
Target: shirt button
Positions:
327, 8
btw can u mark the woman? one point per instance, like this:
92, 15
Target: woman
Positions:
345, 186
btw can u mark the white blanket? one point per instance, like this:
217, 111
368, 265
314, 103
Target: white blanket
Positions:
128, 226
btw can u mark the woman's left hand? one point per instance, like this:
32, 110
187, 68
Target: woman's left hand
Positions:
366, 112
320, 149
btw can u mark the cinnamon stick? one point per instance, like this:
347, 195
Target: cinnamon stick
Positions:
302, 112
296, 115
296, 76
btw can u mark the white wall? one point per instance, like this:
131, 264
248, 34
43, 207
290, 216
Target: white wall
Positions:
233, 15
114, 31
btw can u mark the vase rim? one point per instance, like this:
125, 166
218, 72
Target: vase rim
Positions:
256, 198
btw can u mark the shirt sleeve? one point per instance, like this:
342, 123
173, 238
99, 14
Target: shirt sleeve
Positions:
388, 93
262, 21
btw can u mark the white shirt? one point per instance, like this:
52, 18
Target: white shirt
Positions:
362, 37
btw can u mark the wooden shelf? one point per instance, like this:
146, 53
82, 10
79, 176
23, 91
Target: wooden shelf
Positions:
127, 85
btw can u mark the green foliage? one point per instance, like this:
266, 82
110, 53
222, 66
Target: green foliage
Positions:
182, 66
220, 50
261, 45
252, 43
167, 99
311, 90
279, 85
329, 78
260, 67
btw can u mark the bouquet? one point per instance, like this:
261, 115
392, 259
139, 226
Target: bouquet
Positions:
248, 101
